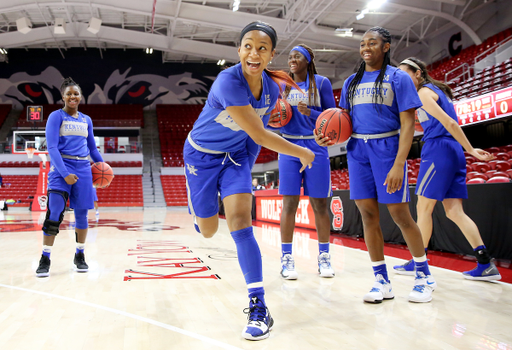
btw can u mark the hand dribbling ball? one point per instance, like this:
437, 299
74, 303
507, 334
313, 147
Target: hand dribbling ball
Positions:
102, 174
285, 113
335, 124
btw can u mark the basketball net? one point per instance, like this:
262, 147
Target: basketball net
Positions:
30, 152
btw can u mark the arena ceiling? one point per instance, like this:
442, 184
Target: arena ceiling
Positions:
208, 30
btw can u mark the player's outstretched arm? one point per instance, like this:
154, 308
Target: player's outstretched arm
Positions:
249, 121
429, 100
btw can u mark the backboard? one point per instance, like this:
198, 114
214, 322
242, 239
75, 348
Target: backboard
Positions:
22, 140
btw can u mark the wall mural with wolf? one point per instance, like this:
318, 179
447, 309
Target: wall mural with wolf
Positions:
121, 77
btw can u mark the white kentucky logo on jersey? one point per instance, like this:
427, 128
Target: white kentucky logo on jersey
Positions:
72, 128
191, 169
267, 99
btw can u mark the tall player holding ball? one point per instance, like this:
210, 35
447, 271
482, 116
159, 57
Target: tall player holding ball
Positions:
381, 100
70, 140
316, 181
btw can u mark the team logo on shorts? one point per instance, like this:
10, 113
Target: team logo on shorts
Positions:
191, 169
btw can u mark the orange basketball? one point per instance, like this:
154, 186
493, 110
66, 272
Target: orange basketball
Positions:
285, 113
102, 174
336, 124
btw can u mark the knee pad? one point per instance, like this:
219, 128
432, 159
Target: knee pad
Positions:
81, 218
51, 227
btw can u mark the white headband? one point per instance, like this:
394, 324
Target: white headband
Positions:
411, 63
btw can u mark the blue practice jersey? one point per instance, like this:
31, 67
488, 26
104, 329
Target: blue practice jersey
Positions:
432, 127
399, 95
70, 136
215, 129
301, 124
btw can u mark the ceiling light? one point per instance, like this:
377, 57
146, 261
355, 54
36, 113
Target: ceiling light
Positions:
375, 4
24, 25
3, 51
236, 5
60, 26
347, 32
221, 62
360, 16
94, 25
149, 50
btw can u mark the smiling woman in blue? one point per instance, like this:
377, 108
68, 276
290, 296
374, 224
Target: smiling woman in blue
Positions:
70, 140
220, 152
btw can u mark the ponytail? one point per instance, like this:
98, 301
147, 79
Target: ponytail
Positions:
282, 78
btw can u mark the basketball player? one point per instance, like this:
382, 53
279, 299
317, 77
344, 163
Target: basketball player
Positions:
219, 157
442, 174
306, 108
70, 140
382, 101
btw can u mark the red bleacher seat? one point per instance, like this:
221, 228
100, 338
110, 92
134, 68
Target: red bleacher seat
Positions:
499, 179
481, 167
500, 173
502, 165
475, 174
475, 180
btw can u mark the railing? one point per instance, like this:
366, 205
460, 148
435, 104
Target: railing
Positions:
462, 66
442, 54
490, 49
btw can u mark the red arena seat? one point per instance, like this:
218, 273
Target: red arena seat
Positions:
480, 167
476, 175
502, 165
499, 179
475, 181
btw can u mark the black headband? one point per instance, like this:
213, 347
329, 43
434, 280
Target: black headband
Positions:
264, 27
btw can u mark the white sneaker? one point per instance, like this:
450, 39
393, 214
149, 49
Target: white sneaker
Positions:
381, 291
423, 288
324, 265
288, 267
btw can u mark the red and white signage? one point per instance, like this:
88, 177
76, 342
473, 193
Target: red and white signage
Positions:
269, 205
40, 201
497, 104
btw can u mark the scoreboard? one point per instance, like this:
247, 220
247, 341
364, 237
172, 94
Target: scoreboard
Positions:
494, 105
34, 113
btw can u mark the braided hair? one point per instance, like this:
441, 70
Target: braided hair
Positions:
426, 78
68, 82
377, 97
312, 88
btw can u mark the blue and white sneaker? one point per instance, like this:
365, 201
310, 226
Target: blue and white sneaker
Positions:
408, 268
260, 322
423, 288
381, 291
288, 267
483, 272
324, 265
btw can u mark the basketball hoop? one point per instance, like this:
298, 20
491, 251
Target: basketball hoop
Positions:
30, 152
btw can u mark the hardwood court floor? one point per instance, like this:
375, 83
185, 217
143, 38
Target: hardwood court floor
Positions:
154, 284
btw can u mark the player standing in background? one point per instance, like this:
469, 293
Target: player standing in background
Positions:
442, 174
70, 140
382, 100
317, 97
218, 157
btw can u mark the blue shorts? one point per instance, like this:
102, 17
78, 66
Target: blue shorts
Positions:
210, 174
442, 170
316, 181
81, 194
369, 163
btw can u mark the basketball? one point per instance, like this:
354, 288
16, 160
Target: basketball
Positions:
285, 114
336, 124
102, 174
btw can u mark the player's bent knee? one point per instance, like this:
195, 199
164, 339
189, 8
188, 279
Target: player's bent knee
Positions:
51, 227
